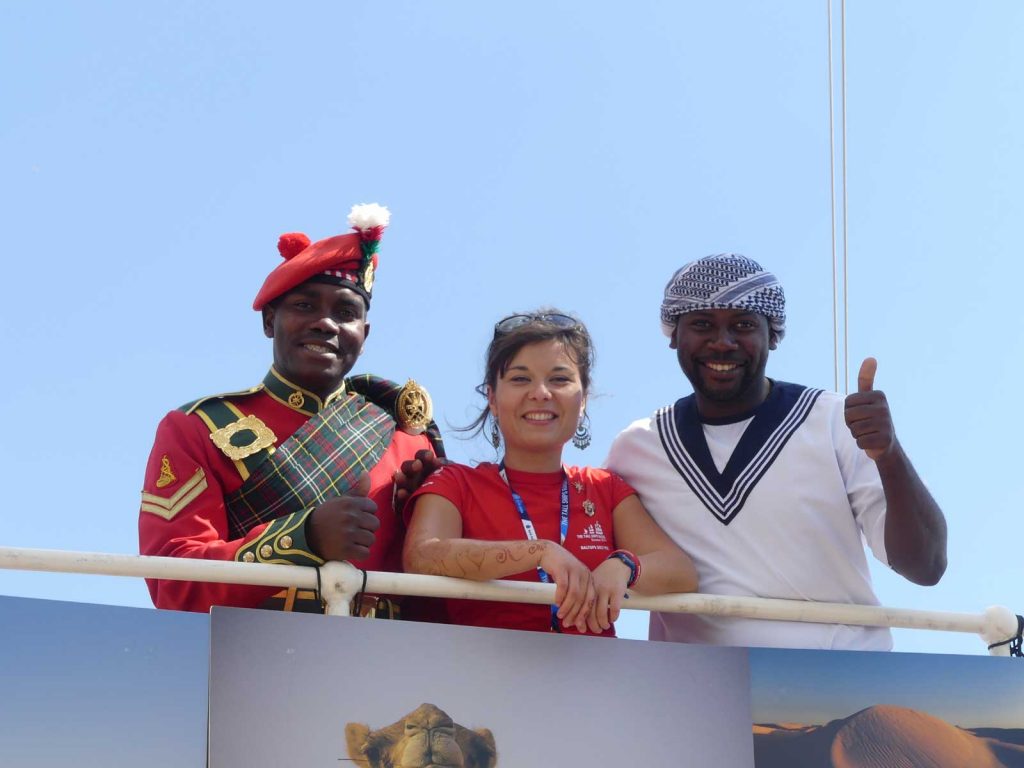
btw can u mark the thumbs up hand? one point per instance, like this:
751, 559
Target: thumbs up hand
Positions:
343, 527
868, 415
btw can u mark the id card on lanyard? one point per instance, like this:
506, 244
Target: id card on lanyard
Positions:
531, 532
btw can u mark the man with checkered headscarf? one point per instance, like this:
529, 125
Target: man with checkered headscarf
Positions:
770, 486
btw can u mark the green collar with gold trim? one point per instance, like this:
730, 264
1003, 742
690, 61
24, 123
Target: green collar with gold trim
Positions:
295, 397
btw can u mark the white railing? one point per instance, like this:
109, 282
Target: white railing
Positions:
340, 582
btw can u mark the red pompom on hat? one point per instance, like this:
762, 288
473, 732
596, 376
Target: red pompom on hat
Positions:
349, 260
292, 244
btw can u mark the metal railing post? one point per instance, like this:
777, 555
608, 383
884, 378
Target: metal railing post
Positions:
1000, 627
340, 582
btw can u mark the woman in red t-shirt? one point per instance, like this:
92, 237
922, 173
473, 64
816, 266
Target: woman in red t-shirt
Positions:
528, 517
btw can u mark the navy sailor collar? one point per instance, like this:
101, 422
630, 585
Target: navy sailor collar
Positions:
774, 421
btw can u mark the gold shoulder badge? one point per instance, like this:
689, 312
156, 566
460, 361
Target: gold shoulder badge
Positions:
167, 475
413, 408
242, 439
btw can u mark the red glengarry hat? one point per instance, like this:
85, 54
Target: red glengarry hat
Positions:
349, 260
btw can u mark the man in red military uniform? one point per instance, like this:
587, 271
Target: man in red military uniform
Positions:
300, 468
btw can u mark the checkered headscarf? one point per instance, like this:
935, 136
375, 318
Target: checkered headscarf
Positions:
724, 281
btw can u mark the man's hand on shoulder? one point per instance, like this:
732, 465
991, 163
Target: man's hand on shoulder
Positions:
412, 474
343, 528
868, 415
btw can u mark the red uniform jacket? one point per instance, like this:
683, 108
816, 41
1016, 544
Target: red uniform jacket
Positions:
187, 478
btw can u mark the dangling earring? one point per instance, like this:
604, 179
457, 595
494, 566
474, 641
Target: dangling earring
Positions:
582, 437
495, 434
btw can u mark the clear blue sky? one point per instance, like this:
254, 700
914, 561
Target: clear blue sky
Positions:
532, 154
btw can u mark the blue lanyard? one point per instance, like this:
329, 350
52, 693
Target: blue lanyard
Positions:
531, 532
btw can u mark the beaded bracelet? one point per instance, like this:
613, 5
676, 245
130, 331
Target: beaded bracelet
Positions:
631, 560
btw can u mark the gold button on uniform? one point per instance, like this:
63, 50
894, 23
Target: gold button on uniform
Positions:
286, 542
248, 557
266, 551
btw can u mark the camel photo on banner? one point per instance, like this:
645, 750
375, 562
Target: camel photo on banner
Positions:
340, 691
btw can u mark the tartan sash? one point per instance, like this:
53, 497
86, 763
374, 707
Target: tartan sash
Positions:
323, 458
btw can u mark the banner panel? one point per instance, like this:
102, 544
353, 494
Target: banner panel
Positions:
819, 709
327, 691
99, 686
106, 686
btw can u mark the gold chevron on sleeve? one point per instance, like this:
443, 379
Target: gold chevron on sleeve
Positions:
168, 508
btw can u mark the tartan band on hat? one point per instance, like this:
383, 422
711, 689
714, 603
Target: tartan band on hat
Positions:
724, 281
349, 260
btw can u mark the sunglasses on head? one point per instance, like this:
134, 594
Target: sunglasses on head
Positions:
510, 323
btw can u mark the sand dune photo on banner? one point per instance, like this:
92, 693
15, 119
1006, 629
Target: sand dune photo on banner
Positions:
871, 710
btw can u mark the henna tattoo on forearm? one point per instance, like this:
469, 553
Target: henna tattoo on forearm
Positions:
463, 558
